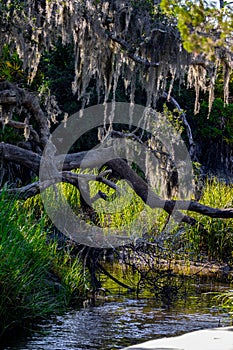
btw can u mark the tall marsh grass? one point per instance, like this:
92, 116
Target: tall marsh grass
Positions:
36, 279
121, 210
209, 239
213, 237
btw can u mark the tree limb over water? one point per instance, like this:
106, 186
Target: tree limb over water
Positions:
143, 190
31, 159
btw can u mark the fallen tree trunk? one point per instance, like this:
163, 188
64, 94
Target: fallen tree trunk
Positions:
59, 166
59, 169
73, 161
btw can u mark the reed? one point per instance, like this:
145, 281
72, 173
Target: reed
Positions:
213, 238
36, 280
209, 239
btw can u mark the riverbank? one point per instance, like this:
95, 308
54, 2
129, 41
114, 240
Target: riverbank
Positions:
211, 269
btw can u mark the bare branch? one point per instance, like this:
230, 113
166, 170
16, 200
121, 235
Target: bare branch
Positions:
21, 156
14, 95
20, 125
66, 177
114, 278
173, 207
225, 213
192, 149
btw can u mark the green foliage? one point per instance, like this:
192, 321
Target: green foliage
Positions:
225, 301
174, 117
200, 23
35, 278
212, 238
10, 135
118, 211
122, 210
56, 73
209, 239
10, 65
219, 124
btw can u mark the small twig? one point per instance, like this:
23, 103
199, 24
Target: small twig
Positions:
114, 278
20, 125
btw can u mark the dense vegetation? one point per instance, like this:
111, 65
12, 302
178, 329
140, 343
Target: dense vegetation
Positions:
37, 277
67, 55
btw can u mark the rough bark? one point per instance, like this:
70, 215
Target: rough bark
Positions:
18, 155
32, 161
11, 95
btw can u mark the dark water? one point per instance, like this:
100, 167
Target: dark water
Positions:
123, 320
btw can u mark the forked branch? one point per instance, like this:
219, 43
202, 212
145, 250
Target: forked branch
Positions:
142, 189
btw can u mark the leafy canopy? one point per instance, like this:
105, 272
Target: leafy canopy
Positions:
205, 26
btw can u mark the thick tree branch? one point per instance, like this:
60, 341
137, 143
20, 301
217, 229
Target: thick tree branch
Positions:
85, 159
10, 94
20, 125
72, 161
130, 51
225, 213
154, 201
35, 188
21, 156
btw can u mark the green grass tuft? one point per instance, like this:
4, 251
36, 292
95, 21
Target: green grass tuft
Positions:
213, 238
36, 279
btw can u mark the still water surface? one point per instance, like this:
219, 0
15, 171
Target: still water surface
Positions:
123, 320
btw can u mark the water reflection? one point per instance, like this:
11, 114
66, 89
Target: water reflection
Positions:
122, 322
